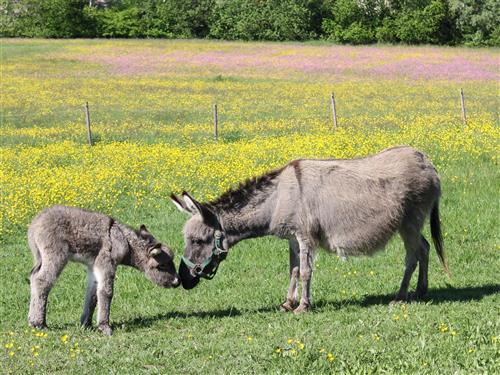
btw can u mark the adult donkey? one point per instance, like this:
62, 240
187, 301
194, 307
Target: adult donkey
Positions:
350, 207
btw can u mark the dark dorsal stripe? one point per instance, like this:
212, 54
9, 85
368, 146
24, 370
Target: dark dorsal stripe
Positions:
240, 196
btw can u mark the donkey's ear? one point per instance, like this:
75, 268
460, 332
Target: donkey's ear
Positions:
179, 203
143, 229
206, 213
191, 204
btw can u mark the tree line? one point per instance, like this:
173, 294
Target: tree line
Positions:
451, 22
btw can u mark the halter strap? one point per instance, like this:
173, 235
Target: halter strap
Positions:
218, 253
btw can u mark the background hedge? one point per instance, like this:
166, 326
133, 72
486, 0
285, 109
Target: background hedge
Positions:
470, 22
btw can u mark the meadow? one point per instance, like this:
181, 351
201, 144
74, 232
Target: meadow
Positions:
151, 113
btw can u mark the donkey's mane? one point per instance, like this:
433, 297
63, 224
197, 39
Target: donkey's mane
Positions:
239, 196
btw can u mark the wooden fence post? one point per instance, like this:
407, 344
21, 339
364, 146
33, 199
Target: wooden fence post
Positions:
87, 122
462, 101
216, 123
334, 111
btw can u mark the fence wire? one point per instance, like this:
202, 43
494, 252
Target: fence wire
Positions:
320, 109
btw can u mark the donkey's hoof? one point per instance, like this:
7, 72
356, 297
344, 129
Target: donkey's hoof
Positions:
399, 301
85, 322
399, 298
302, 308
105, 329
86, 325
396, 301
287, 306
39, 326
417, 296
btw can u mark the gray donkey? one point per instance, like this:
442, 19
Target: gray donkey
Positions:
59, 234
349, 207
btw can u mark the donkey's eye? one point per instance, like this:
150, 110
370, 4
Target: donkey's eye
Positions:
197, 241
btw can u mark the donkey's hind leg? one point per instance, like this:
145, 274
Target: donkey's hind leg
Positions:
411, 239
292, 295
42, 281
423, 267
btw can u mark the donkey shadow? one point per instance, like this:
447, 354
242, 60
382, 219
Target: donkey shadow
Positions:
141, 322
434, 296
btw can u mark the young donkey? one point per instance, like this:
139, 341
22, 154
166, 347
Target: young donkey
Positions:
350, 207
59, 234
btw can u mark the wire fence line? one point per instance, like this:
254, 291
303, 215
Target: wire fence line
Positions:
107, 106
320, 109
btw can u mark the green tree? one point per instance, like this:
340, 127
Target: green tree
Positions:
119, 23
427, 25
354, 21
477, 21
55, 19
262, 20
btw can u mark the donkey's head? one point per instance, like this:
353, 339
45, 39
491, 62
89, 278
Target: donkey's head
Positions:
157, 259
205, 243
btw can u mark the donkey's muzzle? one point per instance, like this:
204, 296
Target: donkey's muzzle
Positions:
187, 279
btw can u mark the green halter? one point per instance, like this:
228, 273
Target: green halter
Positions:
218, 253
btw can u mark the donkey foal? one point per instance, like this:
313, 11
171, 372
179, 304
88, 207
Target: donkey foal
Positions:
59, 234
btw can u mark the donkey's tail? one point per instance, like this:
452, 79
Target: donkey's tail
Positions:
36, 252
437, 237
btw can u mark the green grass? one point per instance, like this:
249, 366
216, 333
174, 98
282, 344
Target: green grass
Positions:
232, 324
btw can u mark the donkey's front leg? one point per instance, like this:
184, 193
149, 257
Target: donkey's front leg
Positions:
105, 278
90, 299
306, 269
292, 295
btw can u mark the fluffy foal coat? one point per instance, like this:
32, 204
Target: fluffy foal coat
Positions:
60, 234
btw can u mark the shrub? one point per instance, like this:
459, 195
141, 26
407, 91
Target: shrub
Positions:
386, 33
50, 19
356, 33
422, 25
262, 20
352, 21
118, 23
495, 37
177, 18
476, 21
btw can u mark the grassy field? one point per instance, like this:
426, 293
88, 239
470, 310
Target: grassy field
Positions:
150, 105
